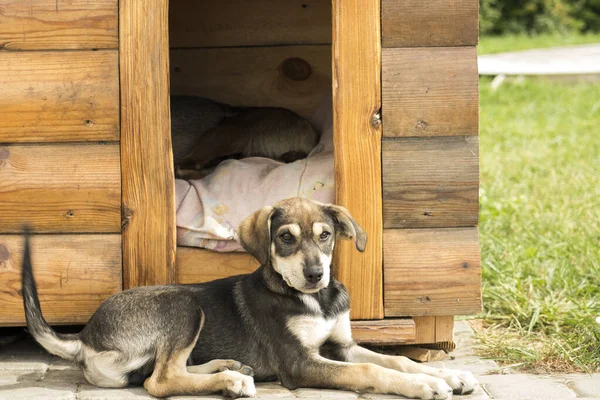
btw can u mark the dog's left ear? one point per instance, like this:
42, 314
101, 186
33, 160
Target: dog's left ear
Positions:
346, 227
254, 234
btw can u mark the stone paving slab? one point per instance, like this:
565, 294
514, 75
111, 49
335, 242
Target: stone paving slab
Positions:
525, 387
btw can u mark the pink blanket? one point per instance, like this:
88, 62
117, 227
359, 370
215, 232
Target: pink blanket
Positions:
209, 209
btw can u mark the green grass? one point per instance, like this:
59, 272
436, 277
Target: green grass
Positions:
540, 224
499, 44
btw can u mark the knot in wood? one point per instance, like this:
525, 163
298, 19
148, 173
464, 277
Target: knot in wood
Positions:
296, 69
4, 153
4, 253
376, 119
421, 124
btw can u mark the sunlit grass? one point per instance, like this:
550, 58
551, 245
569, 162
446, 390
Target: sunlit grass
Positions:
498, 44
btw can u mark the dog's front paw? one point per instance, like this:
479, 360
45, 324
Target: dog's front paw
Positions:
428, 388
238, 385
461, 382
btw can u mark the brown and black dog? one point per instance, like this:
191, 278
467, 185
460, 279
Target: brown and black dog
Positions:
287, 321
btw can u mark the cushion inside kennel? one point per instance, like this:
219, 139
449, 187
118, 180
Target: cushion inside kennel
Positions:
209, 209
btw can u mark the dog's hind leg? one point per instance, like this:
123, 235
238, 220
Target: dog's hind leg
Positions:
219, 366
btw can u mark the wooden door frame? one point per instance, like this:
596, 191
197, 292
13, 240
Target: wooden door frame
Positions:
148, 184
356, 63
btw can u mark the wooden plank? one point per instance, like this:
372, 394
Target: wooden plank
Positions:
430, 182
58, 24
294, 77
357, 141
432, 272
59, 96
74, 274
431, 91
60, 188
444, 328
249, 23
384, 332
194, 265
149, 241
414, 23
424, 329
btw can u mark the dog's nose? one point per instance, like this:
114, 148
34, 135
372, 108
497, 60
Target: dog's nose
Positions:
313, 274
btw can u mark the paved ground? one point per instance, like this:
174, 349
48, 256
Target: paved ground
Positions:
27, 372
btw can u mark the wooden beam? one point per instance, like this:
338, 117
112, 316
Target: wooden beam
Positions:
430, 182
384, 332
74, 274
60, 96
293, 77
149, 231
60, 188
194, 265
357, 140
229, 23
58, 25
430, 91
431, 272
416, 23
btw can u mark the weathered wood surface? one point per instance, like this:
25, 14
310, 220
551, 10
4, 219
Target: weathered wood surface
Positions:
60, 188
357, 141
149, 241
294, 77
58, 24
194, 265
249, 23
415, 23
74, 274
430, 182
385, 331
59, 96
444, 328
431, 272
430, 91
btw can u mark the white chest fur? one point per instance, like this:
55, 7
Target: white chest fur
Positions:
312, 331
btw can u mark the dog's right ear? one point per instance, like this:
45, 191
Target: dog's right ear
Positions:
254, 234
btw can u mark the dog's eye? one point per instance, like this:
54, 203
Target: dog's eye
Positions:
286, 237
324, 236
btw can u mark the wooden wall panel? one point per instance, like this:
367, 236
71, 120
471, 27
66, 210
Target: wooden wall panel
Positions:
357, 141
194, 265
60, 188
431, 272
59, 96
430, 91
58, 24
415, 23
149, 241
230, 23
430, 182
294, 77
74, 274
384, 331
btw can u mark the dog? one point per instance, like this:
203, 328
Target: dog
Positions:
205, 132
287, 321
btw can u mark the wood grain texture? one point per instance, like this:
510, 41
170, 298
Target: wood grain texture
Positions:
59, 96
357, 141
249, 23
430, 91
74, 274
60, 188
294, 77
414, 23
194, 265
149, 241
431, 272
384, 332
444, 328
58, 24
424, 329
430, 182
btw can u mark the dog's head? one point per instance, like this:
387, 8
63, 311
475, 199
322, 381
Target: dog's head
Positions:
296, 237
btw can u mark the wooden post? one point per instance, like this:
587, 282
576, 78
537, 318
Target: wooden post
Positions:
357, 138
149, 241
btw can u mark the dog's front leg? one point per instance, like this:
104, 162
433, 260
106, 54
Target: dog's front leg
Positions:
461, 382
321, 372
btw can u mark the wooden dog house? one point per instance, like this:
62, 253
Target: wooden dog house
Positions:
85, 153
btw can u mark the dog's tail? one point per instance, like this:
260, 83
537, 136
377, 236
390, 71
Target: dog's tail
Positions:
63, 345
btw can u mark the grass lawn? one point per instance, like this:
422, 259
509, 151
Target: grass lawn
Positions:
540, 223
498, 44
